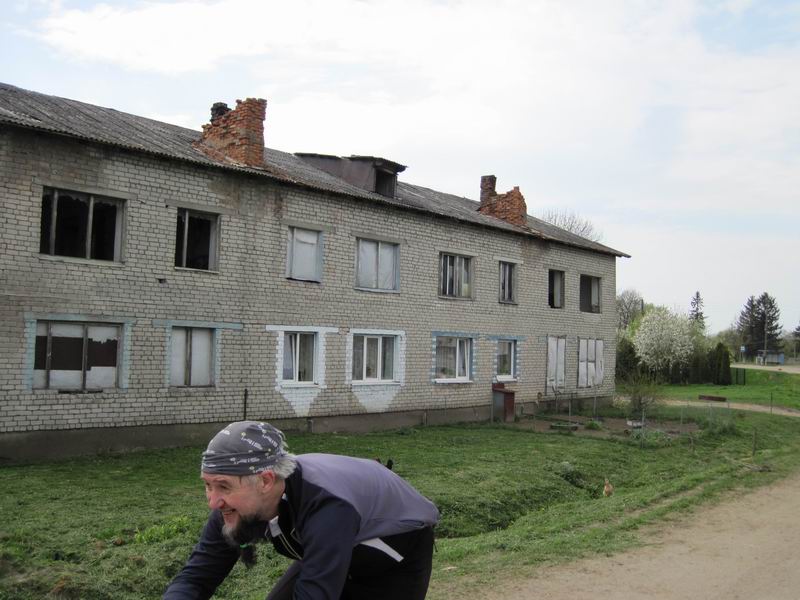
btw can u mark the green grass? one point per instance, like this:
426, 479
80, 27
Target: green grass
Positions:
121, 526
784, 388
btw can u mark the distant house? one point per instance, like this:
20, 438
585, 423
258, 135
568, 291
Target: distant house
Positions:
158, 281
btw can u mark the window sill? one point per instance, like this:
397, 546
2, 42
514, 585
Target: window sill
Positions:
44, 392
451, 381
189, 270
384, 383
298, 384
82, 261
318, 281
506, 379
591, 312
191, 388
376, 290
508, 302
461, 298
555, 307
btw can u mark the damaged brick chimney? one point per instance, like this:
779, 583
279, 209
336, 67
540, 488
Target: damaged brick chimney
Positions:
236, 135
510, 206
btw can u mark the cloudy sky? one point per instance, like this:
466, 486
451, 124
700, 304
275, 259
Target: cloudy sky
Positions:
673, 126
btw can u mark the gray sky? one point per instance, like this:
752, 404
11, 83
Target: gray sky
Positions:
673, 126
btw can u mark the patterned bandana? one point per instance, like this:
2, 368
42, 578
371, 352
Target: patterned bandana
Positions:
243, 448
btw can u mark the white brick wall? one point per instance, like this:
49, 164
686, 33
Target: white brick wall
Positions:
250, 288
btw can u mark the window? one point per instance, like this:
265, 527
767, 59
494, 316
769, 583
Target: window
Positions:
590, 294
298, 357
556, 357
373, 358
385, 182
75, 356
507, 282
191, 357
455, 276
506, 359
453, 358
555, 289
81, 225
196, 240
590, 363
304, 260
377, 265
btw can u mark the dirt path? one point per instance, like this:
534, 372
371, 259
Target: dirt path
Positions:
781, 368
776, 410
743, 548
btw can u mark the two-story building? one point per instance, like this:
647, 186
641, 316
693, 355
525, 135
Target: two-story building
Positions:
156, 281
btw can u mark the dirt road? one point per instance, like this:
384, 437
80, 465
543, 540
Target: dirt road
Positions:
780, 369
744, 548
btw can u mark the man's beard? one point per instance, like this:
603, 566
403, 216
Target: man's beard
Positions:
247, 530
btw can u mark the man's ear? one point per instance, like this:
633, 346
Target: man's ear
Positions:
268, 479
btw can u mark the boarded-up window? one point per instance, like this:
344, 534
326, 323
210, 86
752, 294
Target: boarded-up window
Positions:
555, 289
590, 363
373, 358
590, 294
304, 260
76, 356
191, 357
80, 225
298, 357
196, 240
377, 266
556, 358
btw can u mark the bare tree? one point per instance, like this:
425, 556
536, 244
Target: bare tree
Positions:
572, 222
630, 305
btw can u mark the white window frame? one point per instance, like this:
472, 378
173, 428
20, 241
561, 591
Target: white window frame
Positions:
513, 375
591, 362
187, 357
85, 324
213, 238
555, 381
290, 253
364, 351
456, 290
90, 198
508, 285
395, 265
319, 354
296, 358
467, 377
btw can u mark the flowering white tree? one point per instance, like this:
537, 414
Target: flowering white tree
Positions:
663, 339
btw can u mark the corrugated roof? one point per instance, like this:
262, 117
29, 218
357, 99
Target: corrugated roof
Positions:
71, 118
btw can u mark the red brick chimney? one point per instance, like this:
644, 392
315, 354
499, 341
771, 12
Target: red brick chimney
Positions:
236, 135
510, 206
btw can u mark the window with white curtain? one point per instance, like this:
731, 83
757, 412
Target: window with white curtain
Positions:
191, 357
506, 358
374, 357
591, 366
507, 282
455, 276
556, 359
377, 265
298, 357
453, 358
304, 254
590, 293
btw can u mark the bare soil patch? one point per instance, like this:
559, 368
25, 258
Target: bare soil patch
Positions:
609, 426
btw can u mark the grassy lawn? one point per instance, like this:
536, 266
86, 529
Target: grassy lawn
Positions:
121, 526
784, 387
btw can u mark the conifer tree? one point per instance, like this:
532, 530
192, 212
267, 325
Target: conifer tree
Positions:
696, 312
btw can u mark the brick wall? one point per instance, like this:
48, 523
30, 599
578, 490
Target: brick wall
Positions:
249, 291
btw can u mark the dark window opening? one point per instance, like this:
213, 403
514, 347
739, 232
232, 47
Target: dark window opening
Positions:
79, 226
506, 282
385, 183
555, 289
590, 294
195, 240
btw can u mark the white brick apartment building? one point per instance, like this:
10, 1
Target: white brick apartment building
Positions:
156, 281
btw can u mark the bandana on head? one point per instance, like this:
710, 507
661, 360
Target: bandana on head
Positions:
243, 448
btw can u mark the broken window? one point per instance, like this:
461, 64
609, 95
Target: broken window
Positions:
507, 282
453, 358
373, 357
304, 255
590, 294
455, 276
191, 357
556, 358
506, 359
590, 363
196, 240
75, 356
377, 267
80, 225
298, 357
555, 289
